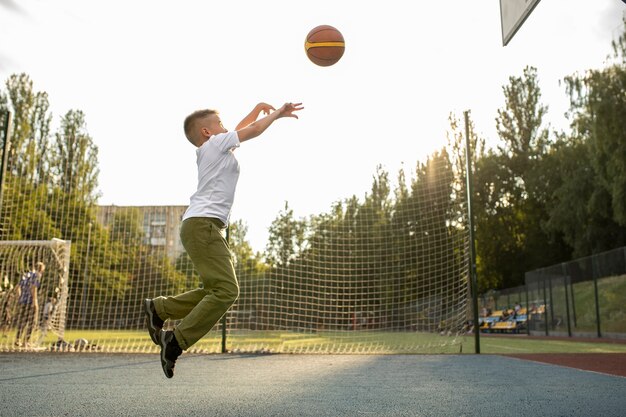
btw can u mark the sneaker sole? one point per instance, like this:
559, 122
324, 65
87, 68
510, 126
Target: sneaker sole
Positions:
167, 365
153, 331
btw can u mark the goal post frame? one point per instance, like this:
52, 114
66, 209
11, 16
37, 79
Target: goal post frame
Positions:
61, 250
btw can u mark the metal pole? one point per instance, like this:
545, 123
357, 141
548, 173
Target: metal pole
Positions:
545, 306
551, 302
571, 289
224, 316
595, 293
6, 143
470, 215
527, 309
569, 326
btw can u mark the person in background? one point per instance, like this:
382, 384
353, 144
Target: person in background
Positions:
7, 308
46, 318
27, 304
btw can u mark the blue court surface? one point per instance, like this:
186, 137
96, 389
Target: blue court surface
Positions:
302, 385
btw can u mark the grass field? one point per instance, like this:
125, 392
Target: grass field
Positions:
333, 342
521, 344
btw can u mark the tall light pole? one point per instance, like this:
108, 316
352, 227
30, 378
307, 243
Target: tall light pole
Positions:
470, 215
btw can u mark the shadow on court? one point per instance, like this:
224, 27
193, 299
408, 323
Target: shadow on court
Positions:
301, 385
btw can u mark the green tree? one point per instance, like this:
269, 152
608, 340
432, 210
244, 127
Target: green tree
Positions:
368, 234
31, 128
286, 238
520, 124
581, 209
23, 214
74, 164
514, 239
456, 151
247, 262
589, 202
598, 103
250, 271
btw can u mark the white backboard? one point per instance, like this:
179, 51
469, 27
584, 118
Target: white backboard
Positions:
513, 13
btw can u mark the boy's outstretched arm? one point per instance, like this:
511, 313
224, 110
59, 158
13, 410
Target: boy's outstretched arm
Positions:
254, 114
255, 129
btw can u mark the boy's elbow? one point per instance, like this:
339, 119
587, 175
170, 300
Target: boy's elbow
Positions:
248, 133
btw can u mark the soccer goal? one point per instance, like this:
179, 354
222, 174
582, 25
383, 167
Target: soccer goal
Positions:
21, 260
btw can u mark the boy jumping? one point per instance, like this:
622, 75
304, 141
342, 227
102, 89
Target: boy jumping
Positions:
201, 231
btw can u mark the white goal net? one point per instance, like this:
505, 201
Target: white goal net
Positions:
33, 292
383, 273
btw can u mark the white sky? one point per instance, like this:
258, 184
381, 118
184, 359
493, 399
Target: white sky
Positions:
138, 67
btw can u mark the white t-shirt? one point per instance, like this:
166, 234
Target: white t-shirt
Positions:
218, 172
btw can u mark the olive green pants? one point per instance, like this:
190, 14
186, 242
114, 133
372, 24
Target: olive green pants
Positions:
201, 308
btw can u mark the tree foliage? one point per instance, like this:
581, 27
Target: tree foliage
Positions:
512, 212
74, 158
50, 191
598, 100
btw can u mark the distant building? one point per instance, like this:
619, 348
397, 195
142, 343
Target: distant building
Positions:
161, 225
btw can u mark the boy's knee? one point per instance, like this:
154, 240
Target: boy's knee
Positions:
226, 293
232, 293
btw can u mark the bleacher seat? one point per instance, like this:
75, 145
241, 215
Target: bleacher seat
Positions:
504, 326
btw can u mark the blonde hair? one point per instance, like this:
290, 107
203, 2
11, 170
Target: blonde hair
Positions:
191, 123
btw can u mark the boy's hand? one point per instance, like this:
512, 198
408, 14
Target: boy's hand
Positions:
254, 114
255, 129
264, 108
288, 108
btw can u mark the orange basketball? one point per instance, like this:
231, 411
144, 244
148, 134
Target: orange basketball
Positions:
324, 45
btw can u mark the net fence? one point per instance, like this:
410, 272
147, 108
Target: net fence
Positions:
585, 297
386, 273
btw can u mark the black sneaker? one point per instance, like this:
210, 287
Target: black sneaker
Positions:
153, 321
170, 351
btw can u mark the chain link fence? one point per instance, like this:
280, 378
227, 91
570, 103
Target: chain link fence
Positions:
585, 297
